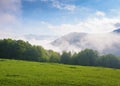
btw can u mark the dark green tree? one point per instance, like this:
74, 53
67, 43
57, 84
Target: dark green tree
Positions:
54, 56
66, 57
109, 61
87, 57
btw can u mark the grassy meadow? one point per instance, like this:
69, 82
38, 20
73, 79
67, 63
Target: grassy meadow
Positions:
26, 73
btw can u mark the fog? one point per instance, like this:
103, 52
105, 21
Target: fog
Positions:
105, 43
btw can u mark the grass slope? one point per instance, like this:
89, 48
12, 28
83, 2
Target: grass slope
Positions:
25, 73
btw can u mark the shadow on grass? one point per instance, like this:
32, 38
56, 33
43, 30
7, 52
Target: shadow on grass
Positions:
73, 67
2, 60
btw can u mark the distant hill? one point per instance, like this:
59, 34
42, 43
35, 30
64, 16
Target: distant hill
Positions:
104, 42
25, 73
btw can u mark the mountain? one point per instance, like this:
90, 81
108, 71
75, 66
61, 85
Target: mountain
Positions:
70, 42
104, 43
117, 30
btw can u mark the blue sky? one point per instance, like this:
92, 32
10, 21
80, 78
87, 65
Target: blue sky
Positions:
46, 10
63, 13
57, 17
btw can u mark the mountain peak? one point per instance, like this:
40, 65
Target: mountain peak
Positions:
117, 30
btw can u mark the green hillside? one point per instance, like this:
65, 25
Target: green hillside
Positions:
26, 73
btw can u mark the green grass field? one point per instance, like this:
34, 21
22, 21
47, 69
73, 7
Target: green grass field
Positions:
25, 73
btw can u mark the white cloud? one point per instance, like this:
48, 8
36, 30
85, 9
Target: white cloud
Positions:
10, 6
44, 43
100, 13
70, 7
93, 24
117, 25
60, 5
10, 10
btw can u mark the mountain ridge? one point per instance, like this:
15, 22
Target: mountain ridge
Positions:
117, 30
104, 42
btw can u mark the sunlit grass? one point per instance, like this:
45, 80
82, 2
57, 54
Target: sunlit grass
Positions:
25, 73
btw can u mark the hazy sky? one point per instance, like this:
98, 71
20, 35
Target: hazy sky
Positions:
57, 17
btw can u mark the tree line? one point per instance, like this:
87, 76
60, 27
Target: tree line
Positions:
21, 50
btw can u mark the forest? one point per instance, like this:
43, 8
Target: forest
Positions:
21, 50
